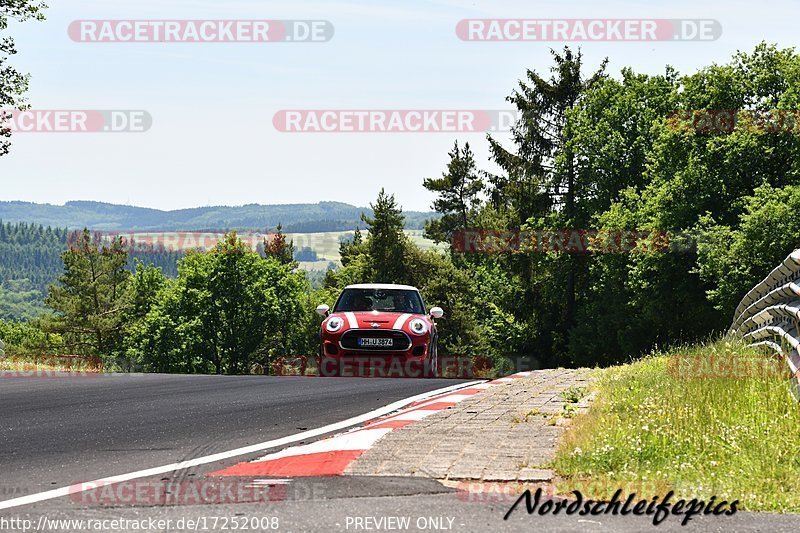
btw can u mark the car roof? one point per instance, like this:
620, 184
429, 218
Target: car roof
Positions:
385, 286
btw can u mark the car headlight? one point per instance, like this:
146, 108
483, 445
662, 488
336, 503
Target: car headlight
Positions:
418, 326
334, 324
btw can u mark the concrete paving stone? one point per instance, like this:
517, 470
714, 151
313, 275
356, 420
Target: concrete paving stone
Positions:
438, 462
465, 474
486, 436
500, 475
536, 462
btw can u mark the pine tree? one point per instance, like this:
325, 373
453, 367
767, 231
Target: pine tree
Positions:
540, 175
386, 242
91, 296
277, 247
351, 248
458, 189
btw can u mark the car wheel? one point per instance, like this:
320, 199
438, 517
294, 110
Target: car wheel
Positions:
434, 359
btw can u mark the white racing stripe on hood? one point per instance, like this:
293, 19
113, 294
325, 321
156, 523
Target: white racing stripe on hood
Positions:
351, 320
401, 320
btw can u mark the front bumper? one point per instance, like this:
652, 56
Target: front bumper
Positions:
409, 356
404, 345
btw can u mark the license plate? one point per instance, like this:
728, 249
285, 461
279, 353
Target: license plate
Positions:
382, 343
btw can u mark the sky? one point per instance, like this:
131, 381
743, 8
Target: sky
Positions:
212, 139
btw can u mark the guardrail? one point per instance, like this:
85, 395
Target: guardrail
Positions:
769, 315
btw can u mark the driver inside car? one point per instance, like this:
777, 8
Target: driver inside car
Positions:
361, 303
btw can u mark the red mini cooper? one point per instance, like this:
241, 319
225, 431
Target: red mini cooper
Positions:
381, 328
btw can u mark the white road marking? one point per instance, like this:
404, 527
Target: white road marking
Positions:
453, 398
355, 440
416, 414
253, 448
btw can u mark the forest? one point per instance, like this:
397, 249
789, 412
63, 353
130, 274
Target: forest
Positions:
30, 261
295, 218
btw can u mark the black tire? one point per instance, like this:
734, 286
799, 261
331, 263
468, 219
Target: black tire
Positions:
434, 359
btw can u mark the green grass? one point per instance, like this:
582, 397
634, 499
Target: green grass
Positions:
717, 419
573, 394
30, 366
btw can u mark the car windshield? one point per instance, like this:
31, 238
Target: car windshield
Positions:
389, 300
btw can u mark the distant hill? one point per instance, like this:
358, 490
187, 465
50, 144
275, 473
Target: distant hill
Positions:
295, 218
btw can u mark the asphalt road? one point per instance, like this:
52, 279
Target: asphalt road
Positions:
56, 432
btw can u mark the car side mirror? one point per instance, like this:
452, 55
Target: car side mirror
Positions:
437, 312
322, 310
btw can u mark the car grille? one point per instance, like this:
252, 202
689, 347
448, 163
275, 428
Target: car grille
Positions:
401, 341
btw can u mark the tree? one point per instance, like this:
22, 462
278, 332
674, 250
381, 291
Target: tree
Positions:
613, 134
26, 339
458, 195
13, 84
725, 198
541, 172
351, 247
616, 128
736, 259
90, 299
225, 307
608, 153
466, 328
539, 189
276, 247
146, 282
386, 241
